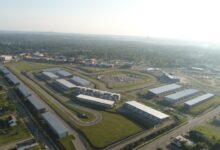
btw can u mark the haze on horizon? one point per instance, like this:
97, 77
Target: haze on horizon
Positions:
181, 19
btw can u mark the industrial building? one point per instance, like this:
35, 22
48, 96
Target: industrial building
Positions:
96, 101
36, 104
48, 75
51, 69
12, 79
176, 97
79, 81
4, 70
23, 90
63, 85
198, 100
63, 73
164, 89
144, 113
55, 125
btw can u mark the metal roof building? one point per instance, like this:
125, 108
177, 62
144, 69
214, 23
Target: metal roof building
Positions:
144, 112
36, 103
63, 73
13, 79
198, 100
4, 70
95, 100
79, 81
24, 90
55, 125
64, 84
180, 95
165, 89
49, 75
51, 69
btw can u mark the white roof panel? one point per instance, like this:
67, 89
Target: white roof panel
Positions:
181, 94
165, 88
148, 110
199, 99
80, 80
95, 99
65, 83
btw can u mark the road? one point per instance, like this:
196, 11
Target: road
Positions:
164, 140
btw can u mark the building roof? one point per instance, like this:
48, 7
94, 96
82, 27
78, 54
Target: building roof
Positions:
165, 88
80, 80
65, 83
50, 75
147, 109
12, 78
181, 94
95, 99
38, 105
199, 99
63, 73
24, 90
51, 69
4, 70
54, 123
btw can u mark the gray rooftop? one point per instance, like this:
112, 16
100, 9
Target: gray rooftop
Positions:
165, 88
13, 78
54, 123
199, 99
63, 73
4, 70
80, 80
50, 75
51, 69
181, 94
24, 90
38, 105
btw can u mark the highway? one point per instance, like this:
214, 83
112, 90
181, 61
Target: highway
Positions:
164, 140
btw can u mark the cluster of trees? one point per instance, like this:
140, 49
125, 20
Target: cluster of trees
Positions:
153, 52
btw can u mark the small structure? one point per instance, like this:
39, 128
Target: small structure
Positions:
79, 81
177, 141
176, 97
36, 104
23, 90
198, 100
12, 79
29, 144
164, 89
55, 125
144, 113
12, 121
96, 101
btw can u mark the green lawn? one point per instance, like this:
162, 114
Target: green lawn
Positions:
67, 142
93, 69
208, 131
114, 127
19, 132
204, 106
37, 147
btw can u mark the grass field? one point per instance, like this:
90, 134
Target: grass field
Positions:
67, 142
209, 131
204, 106
19, 132
92, 69
113, 128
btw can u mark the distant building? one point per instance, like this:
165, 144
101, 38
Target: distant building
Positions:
144, 113
164, 89
48, 75
56, 126
79, 81
63, 73
36, 104
176, 97
12, 79
63, 85
198, 100
6, 58
96, 101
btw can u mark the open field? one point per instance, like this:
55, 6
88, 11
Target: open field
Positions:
205, 105
19, 132
209, 131
92, 69
112, 128
67, 142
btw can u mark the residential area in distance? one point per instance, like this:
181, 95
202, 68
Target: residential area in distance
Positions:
56, 101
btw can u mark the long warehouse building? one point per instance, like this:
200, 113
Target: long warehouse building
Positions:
12, 79
48, 75
96, 101
79, 81
144, 113
164, 89
176, 97
23, 90
64, 85
198, 100
36, 104
55, 125
4, 70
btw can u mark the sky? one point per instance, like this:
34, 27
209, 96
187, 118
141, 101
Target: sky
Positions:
183, 19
